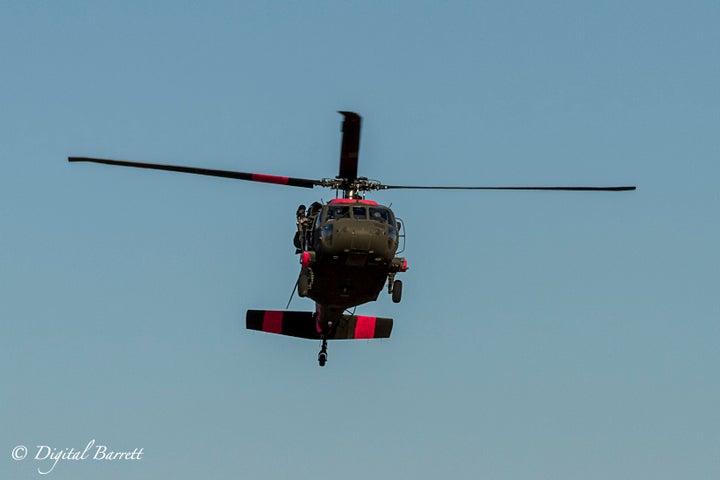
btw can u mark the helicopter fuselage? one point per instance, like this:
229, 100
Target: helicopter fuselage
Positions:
348, 254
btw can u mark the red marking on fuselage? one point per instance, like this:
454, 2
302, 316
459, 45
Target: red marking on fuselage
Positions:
305, 259
259, 177
272, 322
318, 308
352, 200
365, 327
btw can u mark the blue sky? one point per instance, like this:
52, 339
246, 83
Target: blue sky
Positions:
541, 335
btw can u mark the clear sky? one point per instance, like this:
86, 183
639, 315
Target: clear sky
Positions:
545, 335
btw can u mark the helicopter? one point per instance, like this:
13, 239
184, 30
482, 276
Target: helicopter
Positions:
347, 247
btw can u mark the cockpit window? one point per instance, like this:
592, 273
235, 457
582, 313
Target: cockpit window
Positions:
379, 215
359, 213
337, 212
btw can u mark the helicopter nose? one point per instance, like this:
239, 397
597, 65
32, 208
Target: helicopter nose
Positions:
366, 238
360, 239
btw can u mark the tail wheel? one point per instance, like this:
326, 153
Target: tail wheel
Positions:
322, 356
397, 291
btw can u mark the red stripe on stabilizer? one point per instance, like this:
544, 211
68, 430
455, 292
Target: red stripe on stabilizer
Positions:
259, 177
272, 322
365, 327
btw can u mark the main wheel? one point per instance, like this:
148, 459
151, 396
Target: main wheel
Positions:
397, 291
322, 358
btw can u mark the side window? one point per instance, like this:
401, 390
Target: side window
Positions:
392, 227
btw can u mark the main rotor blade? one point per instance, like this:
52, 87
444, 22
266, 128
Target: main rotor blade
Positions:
253, 177
350, 145
572, 189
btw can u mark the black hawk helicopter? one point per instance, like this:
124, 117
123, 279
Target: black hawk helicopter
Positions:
347, 247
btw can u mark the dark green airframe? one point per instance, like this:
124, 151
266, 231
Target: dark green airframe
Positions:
347, 247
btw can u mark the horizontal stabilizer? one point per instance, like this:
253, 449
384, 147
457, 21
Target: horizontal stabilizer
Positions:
355, 327
283, 322
303, 325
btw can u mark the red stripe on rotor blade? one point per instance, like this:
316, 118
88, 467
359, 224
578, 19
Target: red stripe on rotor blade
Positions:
259, 177
365, 327
272, 322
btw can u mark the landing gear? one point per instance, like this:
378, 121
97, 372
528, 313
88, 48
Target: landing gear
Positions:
394, 288
322, 356
397, 291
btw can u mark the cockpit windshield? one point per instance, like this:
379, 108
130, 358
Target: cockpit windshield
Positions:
359, 212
